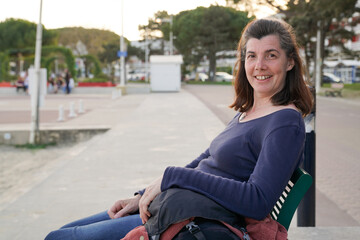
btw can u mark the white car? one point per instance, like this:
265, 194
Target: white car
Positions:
199, 76
223, 77
331, 78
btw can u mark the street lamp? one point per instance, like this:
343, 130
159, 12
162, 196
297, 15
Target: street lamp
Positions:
169, 20
122, 49
34, 127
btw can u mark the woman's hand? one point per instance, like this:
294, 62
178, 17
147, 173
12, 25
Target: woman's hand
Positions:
124, 207
149, 195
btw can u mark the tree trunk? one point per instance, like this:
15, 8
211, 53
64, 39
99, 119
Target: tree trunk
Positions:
212, 66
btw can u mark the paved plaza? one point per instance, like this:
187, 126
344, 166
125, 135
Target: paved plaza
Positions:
147, 132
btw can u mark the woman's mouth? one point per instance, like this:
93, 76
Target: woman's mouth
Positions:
262, 77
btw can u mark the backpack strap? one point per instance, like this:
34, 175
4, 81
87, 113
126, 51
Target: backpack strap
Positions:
195, 231
242, 233
174, 229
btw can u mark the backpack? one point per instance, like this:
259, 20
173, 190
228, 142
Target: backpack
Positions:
181, 214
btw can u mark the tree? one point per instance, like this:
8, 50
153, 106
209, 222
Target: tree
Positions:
206, 31
203, 32
17, 34
156, 29
307, 16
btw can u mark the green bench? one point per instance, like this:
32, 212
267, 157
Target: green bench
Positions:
288, 202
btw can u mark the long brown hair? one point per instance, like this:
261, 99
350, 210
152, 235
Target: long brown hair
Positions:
295, 89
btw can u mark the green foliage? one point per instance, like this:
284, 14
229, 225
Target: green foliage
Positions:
69, 58
109, 55
92, 59
199, 32
35, 146
206, 31
17, 38
225, 69
17, 34
304, 16
93, 39
353, 87
4, 66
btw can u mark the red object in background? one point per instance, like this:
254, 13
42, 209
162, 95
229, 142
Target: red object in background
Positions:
6, 84
96, 84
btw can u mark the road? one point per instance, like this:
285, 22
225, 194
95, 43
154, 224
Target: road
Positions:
337, 152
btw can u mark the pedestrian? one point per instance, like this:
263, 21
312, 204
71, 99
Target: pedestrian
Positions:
71, 84
247, 166
26, 81
51, 84
67, 81
59, 84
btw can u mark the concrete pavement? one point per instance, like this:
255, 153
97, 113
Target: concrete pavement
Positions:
147, 133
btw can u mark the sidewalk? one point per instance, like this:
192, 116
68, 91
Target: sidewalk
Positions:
147, 133
152, 131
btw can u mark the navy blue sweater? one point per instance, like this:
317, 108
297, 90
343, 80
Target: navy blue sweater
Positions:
248, 165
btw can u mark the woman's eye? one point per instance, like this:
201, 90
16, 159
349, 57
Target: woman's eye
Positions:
250, 56
271, 56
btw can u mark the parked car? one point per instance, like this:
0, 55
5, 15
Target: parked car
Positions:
136, 76
198, 76
331, 78
223, 77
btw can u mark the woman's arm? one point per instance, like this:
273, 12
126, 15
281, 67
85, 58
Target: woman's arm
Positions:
281, 153
202, 156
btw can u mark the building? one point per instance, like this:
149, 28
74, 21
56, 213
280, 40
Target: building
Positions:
347, 70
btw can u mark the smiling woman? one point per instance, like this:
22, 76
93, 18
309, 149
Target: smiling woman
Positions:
246, 167
266, 65
270, 71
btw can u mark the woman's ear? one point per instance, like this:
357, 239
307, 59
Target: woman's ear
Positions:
291, 64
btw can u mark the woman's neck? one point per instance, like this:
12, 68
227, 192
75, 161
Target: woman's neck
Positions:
260, 104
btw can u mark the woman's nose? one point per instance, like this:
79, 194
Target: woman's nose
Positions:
260, 64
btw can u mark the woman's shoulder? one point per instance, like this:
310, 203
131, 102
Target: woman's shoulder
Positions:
287, 116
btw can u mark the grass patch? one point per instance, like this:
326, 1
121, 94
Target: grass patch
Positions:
353, 87
348, 86
139, 81
35, 146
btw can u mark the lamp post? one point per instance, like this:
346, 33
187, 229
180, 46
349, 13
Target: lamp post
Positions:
34, 130
146, 56
122, 49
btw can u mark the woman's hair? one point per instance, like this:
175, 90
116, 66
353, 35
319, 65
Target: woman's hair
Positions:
295, 89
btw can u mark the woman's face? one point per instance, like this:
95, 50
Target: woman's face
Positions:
266, 65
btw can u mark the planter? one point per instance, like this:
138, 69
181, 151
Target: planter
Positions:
96, 84
6, 84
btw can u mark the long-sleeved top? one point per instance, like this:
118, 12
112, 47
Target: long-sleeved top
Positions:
247, 166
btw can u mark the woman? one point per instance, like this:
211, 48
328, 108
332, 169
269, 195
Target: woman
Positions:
247, 166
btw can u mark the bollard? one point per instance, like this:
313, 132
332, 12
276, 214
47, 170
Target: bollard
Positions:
81, 106
72, 110
116, 93
61, 114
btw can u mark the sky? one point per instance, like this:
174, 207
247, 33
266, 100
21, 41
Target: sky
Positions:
101, 14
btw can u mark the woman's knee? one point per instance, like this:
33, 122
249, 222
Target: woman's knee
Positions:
59, 235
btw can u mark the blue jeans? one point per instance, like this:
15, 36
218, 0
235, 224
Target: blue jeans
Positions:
99, 226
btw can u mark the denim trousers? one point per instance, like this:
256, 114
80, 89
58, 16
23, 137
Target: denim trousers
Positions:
96, 227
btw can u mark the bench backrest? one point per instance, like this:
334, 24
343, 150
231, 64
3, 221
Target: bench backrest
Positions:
288, 202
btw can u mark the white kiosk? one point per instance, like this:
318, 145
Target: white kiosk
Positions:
165, 73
